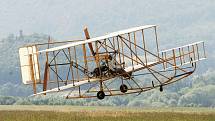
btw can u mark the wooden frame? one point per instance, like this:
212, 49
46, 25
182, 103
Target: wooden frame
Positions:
106, 60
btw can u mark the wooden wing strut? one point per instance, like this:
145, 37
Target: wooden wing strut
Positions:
46, 73
87, 35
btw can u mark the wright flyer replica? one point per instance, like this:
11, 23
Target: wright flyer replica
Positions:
124, 62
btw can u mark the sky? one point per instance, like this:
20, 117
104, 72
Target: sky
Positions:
65, 19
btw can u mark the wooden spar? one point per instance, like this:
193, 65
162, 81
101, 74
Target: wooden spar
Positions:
180, 55
123, 57
156, 38
203, 46
46, 77
87, 36
97, 60
182, 49
135, 44
38, 67
174, 58
76, 65
163, 61
85, 59
117, 42
144, 46
132, 60
71, 68
46, 72
197, 51
32, 73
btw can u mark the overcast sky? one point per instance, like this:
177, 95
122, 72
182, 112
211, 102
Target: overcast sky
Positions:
65, 19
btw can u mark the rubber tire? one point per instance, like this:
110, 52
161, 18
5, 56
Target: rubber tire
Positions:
123, 88
161, 88
101, 95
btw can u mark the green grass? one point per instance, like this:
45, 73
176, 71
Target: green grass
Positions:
78, 113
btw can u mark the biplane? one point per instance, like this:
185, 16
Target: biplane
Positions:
119, 63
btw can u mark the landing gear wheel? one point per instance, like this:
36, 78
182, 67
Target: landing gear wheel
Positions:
161, 88
101, 95
123, 88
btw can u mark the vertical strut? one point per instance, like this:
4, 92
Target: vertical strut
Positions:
204, 49
194, 55
174, 58
71, 68
135, 45
182, 49
163, 60
98, 65
132, 61
197, 49
119, 50
123, 57
46, 72
157, 43
32, 73
144, 47
180, 55
85, 60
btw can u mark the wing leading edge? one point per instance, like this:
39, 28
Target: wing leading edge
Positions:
114, 34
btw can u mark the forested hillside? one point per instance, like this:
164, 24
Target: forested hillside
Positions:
180, 22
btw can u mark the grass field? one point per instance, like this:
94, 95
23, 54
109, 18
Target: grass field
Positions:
78, 113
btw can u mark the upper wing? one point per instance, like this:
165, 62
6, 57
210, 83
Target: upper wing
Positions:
114, 34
